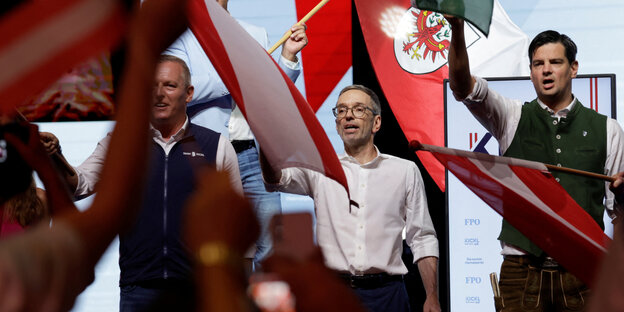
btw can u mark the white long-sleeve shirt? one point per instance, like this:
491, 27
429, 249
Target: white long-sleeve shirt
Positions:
368, 239
89, 171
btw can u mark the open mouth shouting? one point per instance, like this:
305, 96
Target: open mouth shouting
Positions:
548, 83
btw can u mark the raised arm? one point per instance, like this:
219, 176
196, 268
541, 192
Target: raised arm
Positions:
52, 146
461, 81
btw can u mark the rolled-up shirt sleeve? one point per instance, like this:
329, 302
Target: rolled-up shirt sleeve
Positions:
228, 161
420, 233
497, 114
89, 171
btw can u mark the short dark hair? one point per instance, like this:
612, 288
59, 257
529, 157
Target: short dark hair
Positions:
186, 73
369, 92
551, 36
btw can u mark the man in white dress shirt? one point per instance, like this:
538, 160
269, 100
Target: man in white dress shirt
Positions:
364, 244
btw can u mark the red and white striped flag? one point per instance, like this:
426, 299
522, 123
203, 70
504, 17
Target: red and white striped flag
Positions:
41, 40
528, 197
280, 118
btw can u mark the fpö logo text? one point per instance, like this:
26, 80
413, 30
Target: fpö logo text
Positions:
471, 222
473, 280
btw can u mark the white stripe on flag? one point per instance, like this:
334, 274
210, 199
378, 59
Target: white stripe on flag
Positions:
52, 37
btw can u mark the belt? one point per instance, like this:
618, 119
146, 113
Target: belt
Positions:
242, 145
543, 262
165, 284
369, 281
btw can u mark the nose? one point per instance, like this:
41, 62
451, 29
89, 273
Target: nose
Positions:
547, 67
158, 91
349, 115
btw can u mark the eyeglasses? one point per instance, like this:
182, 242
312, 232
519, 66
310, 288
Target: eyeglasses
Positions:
358, 111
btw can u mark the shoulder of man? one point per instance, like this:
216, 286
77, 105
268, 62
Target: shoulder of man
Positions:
201, 132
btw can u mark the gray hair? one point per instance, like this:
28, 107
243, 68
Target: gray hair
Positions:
369, 92
186, 73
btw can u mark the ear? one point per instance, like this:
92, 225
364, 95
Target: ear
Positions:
376, 124
574, 66
189, 93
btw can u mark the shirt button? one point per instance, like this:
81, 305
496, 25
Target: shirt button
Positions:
362, 186
361, 226
558, 136
558, 151
360, 247
554, 122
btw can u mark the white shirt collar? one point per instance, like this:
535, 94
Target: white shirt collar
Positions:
176, 137
352, 159
561, 113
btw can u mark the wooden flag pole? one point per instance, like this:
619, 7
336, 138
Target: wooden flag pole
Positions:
303, 20
580, 173
415, 146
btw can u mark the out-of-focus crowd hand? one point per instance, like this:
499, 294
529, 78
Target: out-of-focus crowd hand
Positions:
315, 287
50, 142
295, 43
43, 269
232, 220
33, 151
219, 246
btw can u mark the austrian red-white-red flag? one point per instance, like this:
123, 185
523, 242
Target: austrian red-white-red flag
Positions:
408, 48
280, 118
528, 197
41, 40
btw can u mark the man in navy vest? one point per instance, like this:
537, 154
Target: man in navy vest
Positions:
213, 107
554, 128
155, 267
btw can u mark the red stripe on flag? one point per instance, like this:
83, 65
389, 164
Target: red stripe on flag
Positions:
29, 16
103, 37
596, 92
328, 56
591, 93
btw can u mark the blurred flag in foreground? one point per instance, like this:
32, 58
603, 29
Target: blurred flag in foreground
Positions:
41, 40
